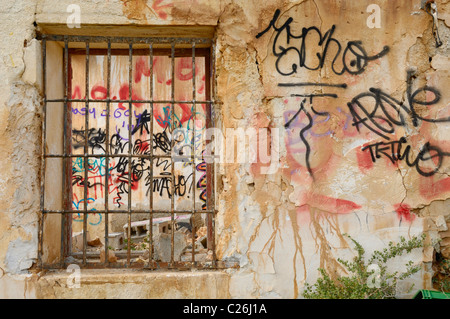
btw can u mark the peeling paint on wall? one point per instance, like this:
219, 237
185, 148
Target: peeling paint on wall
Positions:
363, 116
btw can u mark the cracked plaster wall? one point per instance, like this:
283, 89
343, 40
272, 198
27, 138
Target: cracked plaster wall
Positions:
280, 227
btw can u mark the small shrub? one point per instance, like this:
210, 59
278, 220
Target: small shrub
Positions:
441, 280
366, 279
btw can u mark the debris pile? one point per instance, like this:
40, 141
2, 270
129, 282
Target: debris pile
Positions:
161, 243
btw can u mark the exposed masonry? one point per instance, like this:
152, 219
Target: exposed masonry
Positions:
280, 228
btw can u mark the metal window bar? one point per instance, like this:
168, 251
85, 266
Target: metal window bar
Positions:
150, 247
211, 180
194, 113
130, 164
66, 133
43, 152
172, 143
67, 156
85, 158
108, 111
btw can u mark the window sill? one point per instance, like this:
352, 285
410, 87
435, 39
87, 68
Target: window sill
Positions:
135, 284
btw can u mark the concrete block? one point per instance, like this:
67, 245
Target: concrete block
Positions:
198, 246
163, 246
164, 228
77, 241
140, 229
115, 240
201, 257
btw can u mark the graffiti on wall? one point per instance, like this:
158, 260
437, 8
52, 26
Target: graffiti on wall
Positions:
313, 121
353, 56
386, 113
151, 130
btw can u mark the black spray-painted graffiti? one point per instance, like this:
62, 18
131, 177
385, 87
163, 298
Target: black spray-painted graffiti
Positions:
394, 152
381, 113
96, 137
387, 112
126, 172
307, 128
288, 46
354, 57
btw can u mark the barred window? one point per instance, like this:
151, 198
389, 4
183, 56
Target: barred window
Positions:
123, 179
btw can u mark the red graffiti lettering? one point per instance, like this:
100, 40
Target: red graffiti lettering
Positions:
429, 188
183, 69
76, 92
404, 212
124, 94
141, 68
330, 204
98, 92
159, 8
365, 162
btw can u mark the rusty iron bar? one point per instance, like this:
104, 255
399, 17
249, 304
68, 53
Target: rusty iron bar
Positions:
108, 109
124, 40
212, 180
155, 266
137, 211
194, 112
177, 158
44, 123
180, 52
172, 199
43, 152
122, 254
86, 159
150, 253
208, 165
68, 166
130, 149
127, 101
64, 160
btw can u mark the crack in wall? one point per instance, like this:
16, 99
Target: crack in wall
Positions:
234, 213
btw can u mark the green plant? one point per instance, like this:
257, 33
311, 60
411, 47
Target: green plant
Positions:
132, 244
366, 279
442, 278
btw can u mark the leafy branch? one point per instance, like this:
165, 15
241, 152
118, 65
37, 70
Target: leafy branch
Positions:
367, 279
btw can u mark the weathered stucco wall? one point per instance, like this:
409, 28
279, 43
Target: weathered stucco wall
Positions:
282, 226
